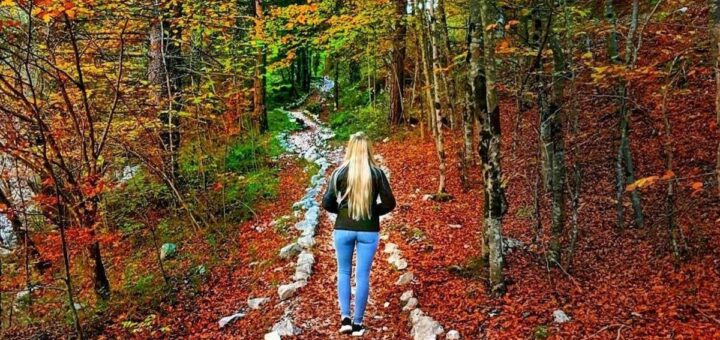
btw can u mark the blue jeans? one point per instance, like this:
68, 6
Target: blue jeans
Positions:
345, 243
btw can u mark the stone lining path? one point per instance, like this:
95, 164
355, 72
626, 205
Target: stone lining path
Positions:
308, 297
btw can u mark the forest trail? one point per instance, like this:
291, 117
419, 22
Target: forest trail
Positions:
314, 312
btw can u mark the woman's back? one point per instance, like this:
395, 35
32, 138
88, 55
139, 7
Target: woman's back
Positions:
338, 190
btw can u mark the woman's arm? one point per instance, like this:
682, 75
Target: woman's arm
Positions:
387, 200
329, 201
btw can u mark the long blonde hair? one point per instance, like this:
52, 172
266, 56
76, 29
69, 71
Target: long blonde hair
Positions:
359, 160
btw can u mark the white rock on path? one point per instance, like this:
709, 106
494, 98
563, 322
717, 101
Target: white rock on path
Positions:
405, 279
410, 304
289, 290
390, 248
560, 317
426, 328
395, 256
256, 303
400, 264
303, 268
228, 319
306, 258
452, 335
415, 315
285, 327
406, 295
290, 250
272, 336
306, 241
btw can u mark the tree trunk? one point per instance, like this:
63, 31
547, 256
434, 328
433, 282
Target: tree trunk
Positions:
446, 61
336, 81
302, 70
66, 262
426, 70
715, 30
674, 232
397, 74
89, 218
556, 145
436, 98
259, 83
467, 153
164, 59
490, 153
574, 128
478, 93
624, 169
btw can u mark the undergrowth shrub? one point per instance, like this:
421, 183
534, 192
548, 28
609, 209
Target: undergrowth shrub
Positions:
128, 203
370, 119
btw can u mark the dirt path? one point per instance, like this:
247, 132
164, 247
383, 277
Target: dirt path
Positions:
315, 309
317, 312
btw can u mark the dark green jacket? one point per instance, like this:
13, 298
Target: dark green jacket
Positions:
381, 189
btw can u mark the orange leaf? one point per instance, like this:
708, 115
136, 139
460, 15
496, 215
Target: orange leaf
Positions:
642, 182
668, 175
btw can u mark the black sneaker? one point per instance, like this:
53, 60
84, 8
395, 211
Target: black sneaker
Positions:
358, 330
346, 326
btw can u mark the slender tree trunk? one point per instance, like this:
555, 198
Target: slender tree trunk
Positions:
715, 30
478, 96
627, 154
426, 70
574, 127
674, 232
66, 261
556, 145
446, 61
100, 279
163, 75
624, 169
397, 74
259, 84
436, 97
490, 152
467, 153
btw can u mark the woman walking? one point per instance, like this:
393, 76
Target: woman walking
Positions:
359, 193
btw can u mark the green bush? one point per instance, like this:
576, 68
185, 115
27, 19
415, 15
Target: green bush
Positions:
127, 204
244, 156
278, 121
242, 192
370, 119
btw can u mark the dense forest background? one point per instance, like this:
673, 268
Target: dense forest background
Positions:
556, 163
